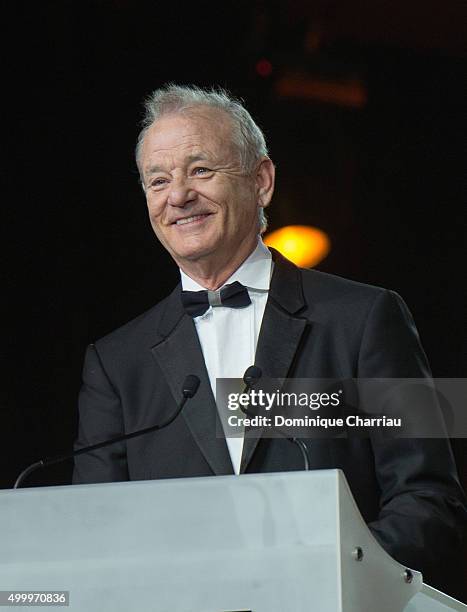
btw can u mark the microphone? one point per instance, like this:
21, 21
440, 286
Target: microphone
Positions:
250, 378
189, 389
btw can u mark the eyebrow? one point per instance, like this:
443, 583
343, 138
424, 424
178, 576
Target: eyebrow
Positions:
190, 160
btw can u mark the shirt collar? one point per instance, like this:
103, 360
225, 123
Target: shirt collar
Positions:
255, 272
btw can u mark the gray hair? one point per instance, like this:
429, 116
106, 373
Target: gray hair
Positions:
247, 136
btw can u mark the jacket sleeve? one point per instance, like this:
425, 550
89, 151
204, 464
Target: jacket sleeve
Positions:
422, 506
100, 418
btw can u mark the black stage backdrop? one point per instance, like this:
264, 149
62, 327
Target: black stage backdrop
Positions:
383, 178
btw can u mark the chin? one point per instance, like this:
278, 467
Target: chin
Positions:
194, 252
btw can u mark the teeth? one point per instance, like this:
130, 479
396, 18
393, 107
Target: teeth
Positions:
189, 219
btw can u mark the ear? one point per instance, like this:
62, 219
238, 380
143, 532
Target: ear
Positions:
265, 175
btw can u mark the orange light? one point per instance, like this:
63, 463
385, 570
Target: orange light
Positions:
305, 246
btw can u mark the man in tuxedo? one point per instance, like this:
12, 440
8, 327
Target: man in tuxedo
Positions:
207, 178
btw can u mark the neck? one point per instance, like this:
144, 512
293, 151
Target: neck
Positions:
212, 273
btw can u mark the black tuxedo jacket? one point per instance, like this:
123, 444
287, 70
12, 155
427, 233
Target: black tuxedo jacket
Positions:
315, 326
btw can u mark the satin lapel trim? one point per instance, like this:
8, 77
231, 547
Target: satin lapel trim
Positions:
278, 343
178, 355
281, 333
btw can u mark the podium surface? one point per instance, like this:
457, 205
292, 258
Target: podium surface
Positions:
285, 542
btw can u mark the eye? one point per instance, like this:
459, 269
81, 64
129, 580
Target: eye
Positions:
158, 182
199, 171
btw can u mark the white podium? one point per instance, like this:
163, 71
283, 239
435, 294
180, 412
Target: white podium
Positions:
285, 542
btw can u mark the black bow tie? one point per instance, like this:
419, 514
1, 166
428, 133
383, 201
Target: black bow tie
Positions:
196, 303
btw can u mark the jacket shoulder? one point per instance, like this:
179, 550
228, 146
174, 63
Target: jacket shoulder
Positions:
349, 303
322, 286
332, 284
317, 287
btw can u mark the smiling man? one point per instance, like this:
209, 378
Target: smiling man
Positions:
207, 178
203, 199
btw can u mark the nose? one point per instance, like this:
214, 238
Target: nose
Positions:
180, 193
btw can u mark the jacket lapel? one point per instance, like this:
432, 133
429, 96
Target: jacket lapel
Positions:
281, 332
178, 354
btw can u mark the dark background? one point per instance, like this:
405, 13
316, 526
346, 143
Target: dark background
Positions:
363, 106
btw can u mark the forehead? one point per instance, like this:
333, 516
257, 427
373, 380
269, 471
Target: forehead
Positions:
207, 130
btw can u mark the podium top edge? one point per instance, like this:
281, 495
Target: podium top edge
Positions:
333, 474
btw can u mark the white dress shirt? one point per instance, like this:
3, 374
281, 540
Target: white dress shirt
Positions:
229, 336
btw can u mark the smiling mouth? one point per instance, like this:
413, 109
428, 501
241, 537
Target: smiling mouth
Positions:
192, 219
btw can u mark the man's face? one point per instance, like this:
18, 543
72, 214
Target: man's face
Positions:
200, 201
